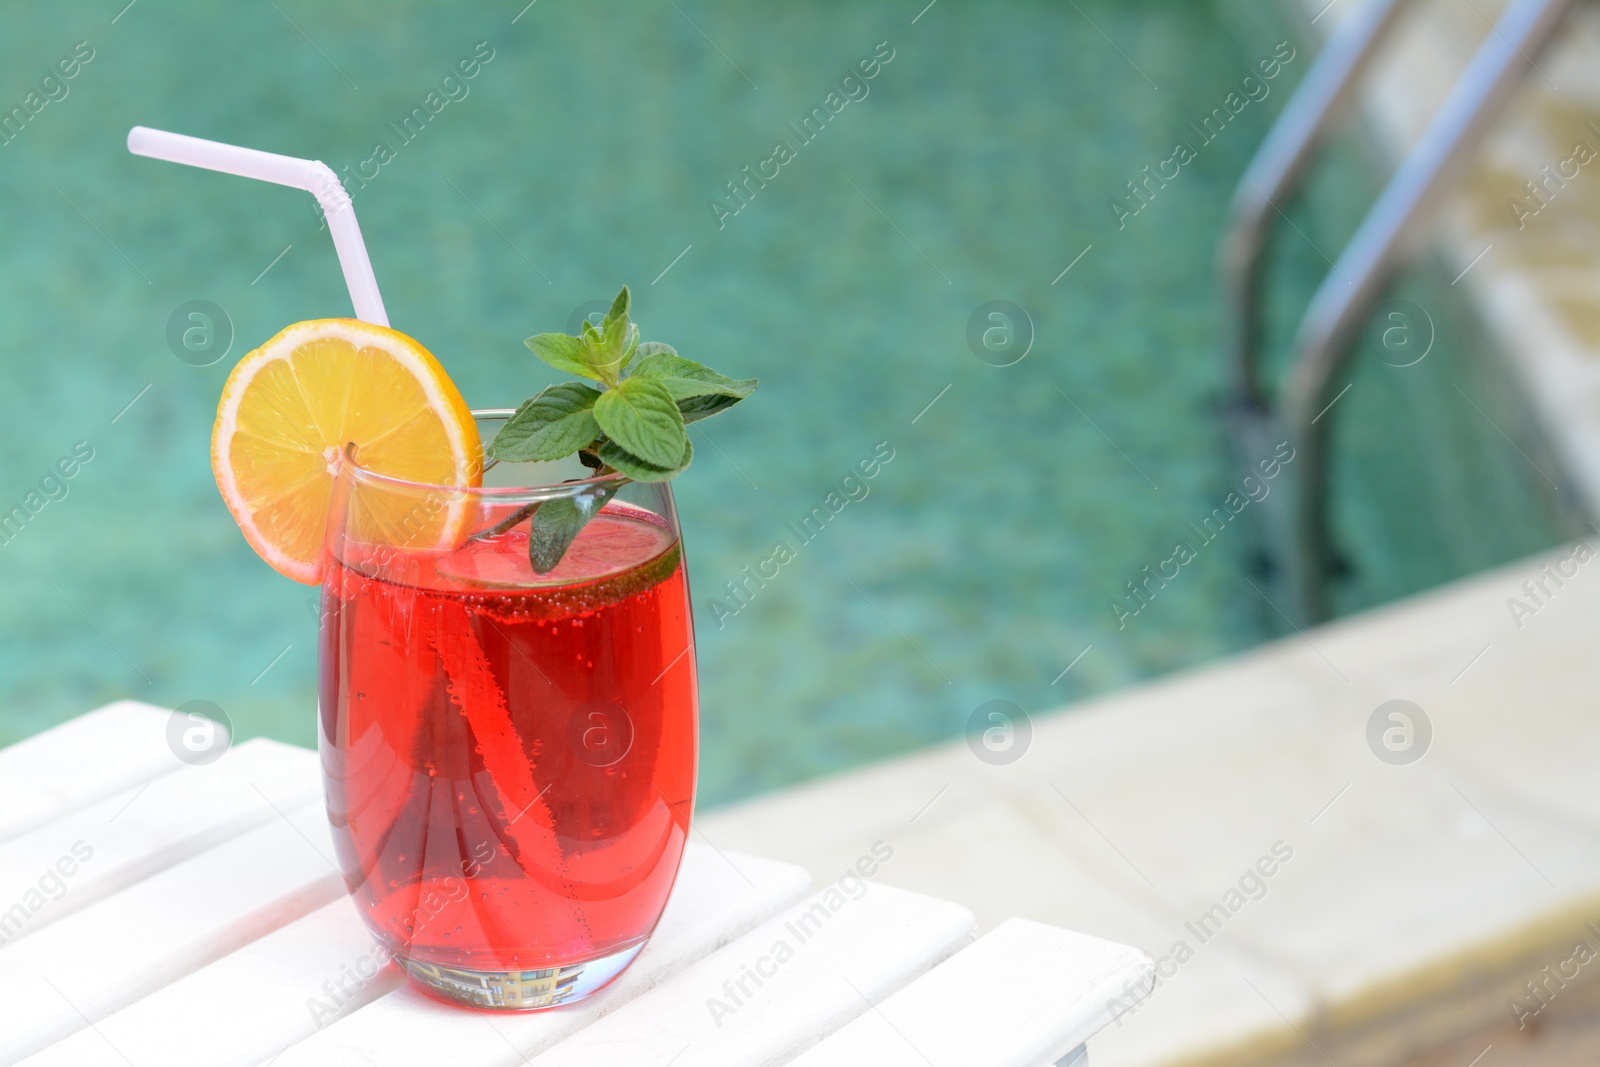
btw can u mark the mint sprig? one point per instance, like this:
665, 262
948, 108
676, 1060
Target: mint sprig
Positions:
633, 420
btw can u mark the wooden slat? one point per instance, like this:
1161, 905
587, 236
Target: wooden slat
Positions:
718, 897
83, 760
819, 965
193, 918
111, 954
1024, 995
58, 868
242, 1009
245, 1008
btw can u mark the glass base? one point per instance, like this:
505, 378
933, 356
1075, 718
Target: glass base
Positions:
520, 990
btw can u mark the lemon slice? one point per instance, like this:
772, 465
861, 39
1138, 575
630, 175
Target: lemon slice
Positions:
290, 408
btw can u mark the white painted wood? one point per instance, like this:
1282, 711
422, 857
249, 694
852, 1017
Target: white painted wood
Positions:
202, 924
244, 1008
819, 964
67, 864
81, 761
1024, 995
112, 953
718, 897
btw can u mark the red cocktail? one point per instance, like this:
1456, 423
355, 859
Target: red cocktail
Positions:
510, 756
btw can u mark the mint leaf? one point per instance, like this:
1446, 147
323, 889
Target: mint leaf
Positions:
562, 353
556, 423
614, 455
640, 415
630, 344
684, 378
606, 350
635, 425
557, 523
611, 352
703, 407
619, 307
652, 348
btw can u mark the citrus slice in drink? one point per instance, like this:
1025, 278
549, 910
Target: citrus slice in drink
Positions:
294, 406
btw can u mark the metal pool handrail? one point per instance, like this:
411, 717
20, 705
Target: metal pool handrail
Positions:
1322, 346
1275, 171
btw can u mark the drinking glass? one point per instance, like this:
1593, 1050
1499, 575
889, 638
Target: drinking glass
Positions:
509, 756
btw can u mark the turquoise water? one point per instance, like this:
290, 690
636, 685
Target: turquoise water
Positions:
587, 149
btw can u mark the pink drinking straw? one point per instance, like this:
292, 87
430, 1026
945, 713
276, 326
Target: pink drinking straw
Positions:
312, 175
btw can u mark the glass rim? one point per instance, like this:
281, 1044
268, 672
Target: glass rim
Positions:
527, 493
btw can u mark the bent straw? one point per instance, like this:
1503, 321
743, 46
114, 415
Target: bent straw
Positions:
464, 660
312, 175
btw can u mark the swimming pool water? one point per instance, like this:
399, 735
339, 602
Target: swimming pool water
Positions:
594, 144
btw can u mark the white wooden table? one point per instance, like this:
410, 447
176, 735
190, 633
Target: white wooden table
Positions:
159, 914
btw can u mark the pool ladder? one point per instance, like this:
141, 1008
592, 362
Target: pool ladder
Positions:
1297, 535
